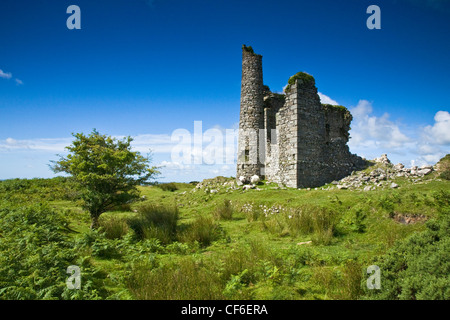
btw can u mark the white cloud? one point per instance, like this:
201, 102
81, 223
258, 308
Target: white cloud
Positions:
326, 99
157, 143
372, 136
5, 75
440, 131
171, 165
8, 75
53, 145
434, 141
372, 132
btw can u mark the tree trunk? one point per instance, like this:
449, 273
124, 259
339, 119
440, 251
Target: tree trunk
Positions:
94, 222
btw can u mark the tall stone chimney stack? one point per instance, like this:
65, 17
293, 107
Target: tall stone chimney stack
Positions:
249, 162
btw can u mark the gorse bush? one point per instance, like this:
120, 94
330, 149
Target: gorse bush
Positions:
154, 221
418, 267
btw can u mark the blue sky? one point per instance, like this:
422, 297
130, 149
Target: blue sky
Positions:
146, 68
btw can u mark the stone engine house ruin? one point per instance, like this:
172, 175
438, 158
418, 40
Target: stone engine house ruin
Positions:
290, 138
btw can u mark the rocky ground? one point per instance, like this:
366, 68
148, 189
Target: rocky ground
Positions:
379, 175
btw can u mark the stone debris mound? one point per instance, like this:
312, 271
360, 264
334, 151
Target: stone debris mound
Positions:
382, 175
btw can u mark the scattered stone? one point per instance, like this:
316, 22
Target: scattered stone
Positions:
394, 185
255, 179
424, 172
302, 243
382, 176
383, 160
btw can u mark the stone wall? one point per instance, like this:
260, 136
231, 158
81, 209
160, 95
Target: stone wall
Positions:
310, 146
272, 105
251, 115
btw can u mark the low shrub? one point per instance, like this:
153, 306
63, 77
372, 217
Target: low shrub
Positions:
224, 211
167, 186
320, 222
350, 286
114, 227
203, 230
154, 221
186, 279
417, 267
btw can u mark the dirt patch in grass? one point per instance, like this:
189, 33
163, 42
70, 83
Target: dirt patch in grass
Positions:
407, 218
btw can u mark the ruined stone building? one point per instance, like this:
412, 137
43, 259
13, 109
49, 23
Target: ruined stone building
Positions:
290, 138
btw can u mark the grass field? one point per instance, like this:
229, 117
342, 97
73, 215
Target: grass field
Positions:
180, 242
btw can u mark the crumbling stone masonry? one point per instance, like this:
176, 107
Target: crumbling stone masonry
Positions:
291, 138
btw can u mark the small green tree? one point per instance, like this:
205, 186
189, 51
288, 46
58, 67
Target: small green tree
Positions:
106, 169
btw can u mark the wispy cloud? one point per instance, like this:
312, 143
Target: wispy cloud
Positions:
50, 145
8, 75
326, 99
5, 75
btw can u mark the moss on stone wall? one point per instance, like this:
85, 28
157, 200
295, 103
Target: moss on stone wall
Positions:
306, 79
279, 96
336, 108
331, 107
248, 49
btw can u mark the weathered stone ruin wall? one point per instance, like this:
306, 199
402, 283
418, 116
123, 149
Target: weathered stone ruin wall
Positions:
272, 105
341, 162
311, 133
310, 147
251, 114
